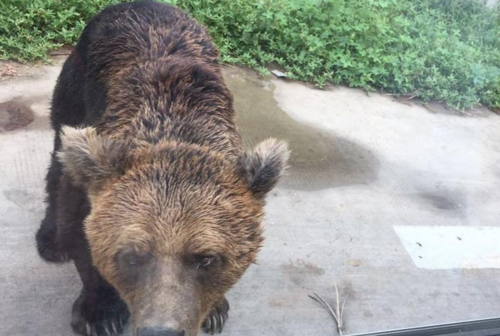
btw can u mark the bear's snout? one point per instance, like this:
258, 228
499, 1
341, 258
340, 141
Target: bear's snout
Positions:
166, 300
158, 331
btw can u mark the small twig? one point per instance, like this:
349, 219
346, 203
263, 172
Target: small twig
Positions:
339, 234
339, 321
60, 53
319, 299
323, 158
338, 312
342, 310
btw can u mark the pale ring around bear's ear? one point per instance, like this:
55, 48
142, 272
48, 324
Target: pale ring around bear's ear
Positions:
89, 158
263, 166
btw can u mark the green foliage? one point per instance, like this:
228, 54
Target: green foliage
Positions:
30, 28
447, 51
444, 50
491, 95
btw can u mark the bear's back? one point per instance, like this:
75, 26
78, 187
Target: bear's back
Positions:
158, 74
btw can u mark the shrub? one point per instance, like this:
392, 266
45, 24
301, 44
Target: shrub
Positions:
434, 50
447, 51
30, 28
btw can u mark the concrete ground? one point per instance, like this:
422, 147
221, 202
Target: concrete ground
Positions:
395, 203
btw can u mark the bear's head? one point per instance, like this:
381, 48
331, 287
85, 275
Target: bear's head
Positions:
172, 226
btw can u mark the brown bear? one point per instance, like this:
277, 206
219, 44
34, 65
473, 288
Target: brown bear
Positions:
149, 190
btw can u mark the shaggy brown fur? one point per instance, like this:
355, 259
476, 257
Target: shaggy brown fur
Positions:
148, 174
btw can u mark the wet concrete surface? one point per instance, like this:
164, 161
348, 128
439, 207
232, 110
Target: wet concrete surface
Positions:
361, 165
319, 159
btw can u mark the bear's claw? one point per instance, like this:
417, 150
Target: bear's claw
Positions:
110, 330
217, 318
103, 319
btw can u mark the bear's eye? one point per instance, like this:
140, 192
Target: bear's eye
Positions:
134, 259
205, 262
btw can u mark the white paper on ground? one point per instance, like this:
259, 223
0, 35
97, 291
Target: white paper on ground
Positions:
448, 247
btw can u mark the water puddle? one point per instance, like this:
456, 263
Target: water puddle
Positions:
319, 158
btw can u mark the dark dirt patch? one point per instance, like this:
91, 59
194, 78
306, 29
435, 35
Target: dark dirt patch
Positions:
443, 200
300, 271
8, 71
14, 115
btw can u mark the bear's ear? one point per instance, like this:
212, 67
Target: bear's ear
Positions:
263, 166
88, 158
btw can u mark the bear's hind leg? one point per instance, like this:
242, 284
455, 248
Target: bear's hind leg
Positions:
46, 241
67, 108
46, 237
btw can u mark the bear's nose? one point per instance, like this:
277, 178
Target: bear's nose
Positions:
159, 331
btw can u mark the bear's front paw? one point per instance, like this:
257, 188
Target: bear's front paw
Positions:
105, 316
216, 319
